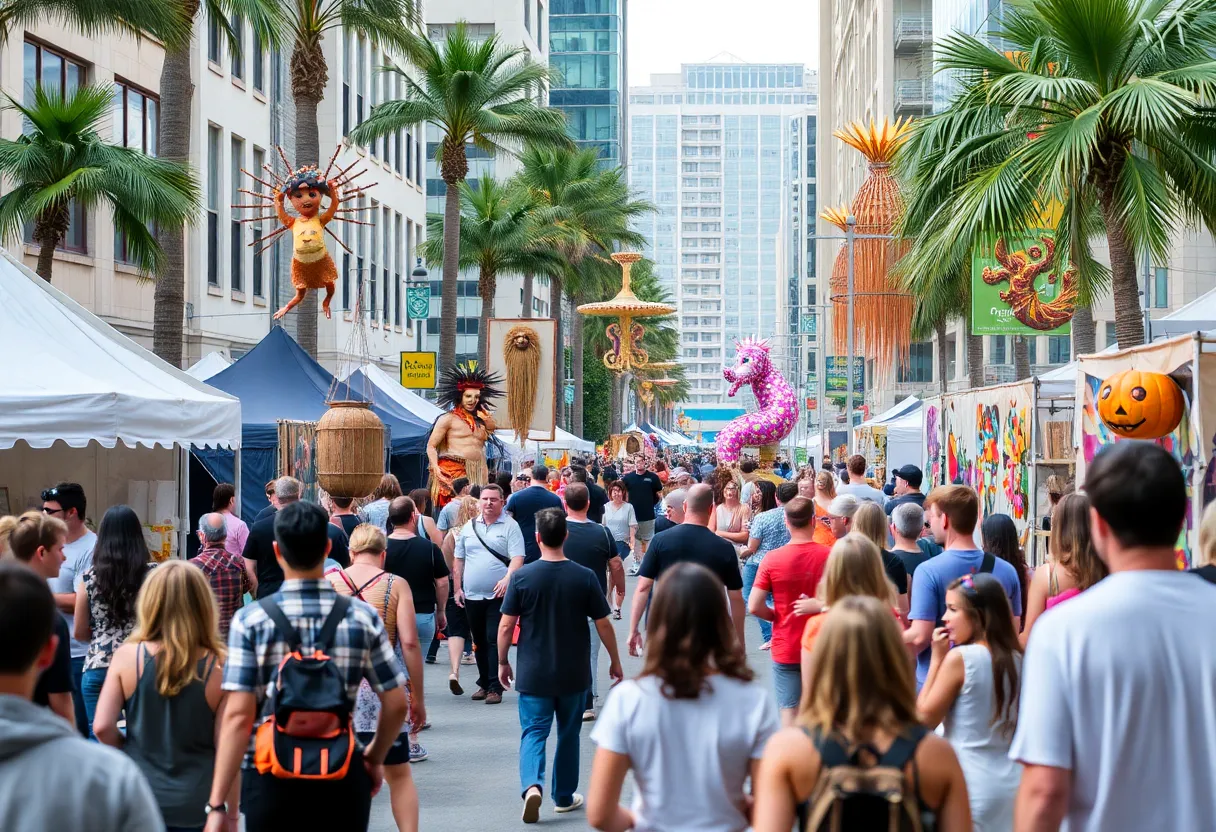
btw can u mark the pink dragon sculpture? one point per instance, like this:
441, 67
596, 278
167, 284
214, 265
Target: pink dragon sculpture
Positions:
778, 411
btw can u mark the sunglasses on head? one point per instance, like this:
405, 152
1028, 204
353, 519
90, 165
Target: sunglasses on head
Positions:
50, 494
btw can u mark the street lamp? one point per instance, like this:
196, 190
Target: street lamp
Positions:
415, 302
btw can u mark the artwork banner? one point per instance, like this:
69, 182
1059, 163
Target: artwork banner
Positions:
543, 425
1017, 288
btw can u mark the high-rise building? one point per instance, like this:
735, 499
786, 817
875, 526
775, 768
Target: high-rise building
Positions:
587, 50
516, 23
712, 148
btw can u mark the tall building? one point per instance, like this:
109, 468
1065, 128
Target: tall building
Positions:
711, 147
517, 23
587, 51
241, 111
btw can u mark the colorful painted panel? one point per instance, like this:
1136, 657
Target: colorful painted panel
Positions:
933, 462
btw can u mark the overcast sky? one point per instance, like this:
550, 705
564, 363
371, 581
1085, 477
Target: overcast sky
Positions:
665, 33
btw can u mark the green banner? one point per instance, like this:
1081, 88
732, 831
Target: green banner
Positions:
418, 302
1018, 288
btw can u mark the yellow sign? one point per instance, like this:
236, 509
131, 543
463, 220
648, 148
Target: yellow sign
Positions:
418, 370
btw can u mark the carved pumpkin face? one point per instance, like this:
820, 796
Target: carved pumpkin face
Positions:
1140, 405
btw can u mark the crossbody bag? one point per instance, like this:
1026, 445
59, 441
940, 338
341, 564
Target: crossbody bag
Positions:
506, 561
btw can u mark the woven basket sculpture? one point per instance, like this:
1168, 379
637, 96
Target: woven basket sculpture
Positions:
350, 450
882, 310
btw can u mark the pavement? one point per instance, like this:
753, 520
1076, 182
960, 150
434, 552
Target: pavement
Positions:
471, 781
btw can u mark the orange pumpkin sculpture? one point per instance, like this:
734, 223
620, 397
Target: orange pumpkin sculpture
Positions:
1140, 405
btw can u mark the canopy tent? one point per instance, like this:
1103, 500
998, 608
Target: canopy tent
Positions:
208, 365
278, 380
562, 441
664, 436
383, 383
1197, 316
89, 405
905, 440
908, 405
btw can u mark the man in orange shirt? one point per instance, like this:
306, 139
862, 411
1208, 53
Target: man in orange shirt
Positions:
791, 572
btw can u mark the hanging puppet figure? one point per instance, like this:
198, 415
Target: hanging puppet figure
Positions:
311, 265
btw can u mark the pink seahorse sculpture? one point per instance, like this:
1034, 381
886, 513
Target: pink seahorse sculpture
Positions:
778, 411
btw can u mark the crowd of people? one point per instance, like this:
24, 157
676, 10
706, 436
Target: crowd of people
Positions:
919, 677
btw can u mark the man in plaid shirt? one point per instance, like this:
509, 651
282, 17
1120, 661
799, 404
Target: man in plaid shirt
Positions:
227, 572
360, 649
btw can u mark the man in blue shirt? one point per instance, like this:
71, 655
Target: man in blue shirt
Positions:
524, 504
953, 511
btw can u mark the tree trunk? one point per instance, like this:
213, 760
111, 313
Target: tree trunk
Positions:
616, 422
1129, 316
1021, 357
487, 285
527, 300
975, 360
576, 368
49, 228
1084, 332
555, 311
173, 142
454, 167
943, 361
46, 260
308, 152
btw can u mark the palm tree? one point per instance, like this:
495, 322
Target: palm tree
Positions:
176, 92
1099, 107
474, 93
387, 25
61, 160
99, 17
591, 207
498, 237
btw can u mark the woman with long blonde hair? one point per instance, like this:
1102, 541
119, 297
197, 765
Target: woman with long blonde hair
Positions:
166, 676
871, 521
458, 626
825, 492
864, 695
1074, 566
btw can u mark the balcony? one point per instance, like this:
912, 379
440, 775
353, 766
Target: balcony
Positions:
913, 96
912, 33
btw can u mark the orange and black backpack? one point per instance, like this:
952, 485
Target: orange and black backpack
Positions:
310, 734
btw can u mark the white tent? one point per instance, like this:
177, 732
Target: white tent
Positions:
1197, 316
562, 441
909, 405
905, 440
208, 365
411, 401
83, 403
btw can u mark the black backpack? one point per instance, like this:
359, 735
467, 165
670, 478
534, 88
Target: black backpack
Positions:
860, 790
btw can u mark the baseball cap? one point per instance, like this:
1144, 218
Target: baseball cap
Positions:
910, 474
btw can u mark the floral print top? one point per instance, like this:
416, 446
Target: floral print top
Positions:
108, 634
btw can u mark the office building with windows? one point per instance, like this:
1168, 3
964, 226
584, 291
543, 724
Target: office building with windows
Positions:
241, 113
516, 23
587, 51
712, 148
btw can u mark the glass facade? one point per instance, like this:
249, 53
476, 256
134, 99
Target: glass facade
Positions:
586, 53
973, 17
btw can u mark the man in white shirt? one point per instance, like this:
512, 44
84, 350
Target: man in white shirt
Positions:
1116, 726
857, 485
67, 502
488, 550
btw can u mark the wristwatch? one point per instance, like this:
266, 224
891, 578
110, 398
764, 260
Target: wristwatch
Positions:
220, 807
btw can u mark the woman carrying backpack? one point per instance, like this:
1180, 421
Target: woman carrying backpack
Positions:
973, 687
691, 727
392, 600
858, 756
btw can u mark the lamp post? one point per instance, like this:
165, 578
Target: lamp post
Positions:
418, 278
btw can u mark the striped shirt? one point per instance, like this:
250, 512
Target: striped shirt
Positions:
361, 647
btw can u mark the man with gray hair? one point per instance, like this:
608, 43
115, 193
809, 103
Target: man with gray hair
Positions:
230, 575
673, 511
259, 548
907, 525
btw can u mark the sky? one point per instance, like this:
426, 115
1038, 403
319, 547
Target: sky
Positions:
666, 33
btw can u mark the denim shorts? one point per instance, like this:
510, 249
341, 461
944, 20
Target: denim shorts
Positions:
787, 679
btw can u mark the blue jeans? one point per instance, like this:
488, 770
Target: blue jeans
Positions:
536, 715
82, 718
426, 628
750, 567
90, 690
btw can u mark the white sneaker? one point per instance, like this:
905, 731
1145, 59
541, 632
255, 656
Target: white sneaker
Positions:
575, 805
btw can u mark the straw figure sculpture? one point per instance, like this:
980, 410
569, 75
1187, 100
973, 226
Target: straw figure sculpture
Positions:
882, 310
521, 354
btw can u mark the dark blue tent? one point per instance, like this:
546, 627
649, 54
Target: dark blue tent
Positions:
277, 380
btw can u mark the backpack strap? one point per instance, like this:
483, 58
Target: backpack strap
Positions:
987, 564
903, 748
330, 628
831, 752
287, 632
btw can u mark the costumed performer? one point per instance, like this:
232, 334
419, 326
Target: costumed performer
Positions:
457, 447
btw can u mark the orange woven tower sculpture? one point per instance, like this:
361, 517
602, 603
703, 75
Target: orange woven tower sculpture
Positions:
882, 311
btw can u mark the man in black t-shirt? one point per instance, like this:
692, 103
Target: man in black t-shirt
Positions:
523, 505
643, 488
597, 497
259, 546
551, 599
690, 541
420, 562
907, 522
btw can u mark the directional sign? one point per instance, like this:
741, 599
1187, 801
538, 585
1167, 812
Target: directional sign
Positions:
418, 303
418, 370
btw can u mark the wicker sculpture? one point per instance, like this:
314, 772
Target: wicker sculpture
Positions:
350, 449
882, 311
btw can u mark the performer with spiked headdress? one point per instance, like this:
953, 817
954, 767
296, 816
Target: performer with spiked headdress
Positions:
457, 447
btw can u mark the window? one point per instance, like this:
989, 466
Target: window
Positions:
259, 63
1111, 338
238, 53
540, 32
1032, 349
361, 78
136, 115
213, 205
54, 72
348, 73
996, 349
373, 96
346, 235
1058, 351
528, 16
236, 241
400, 263
214, 40
386, 264
409, 157
259, 288
1161, 287
372, 272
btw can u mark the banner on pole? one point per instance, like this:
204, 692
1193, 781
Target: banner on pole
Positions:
1018, 288
836, 380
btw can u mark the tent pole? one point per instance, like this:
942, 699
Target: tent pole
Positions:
183, 499
236, 478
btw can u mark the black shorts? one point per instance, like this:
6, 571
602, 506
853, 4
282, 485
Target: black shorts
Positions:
458, 623
397, 755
